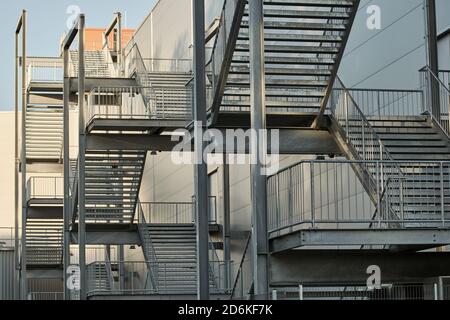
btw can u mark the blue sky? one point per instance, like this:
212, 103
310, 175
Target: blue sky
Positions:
47, 22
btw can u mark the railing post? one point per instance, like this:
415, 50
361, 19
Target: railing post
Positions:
402, 200
313, 209
290, 199
442, 194
346, 115
300, 292
378, 193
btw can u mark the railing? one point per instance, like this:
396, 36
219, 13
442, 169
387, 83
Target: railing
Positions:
92, 68
117, 103
50, 188
93, 254
364, 142
395, 291
244, 274
46, 296
357, 129
173, 212
328, 194
7, 237
147, 246
442, 96
172, 102
388, 102
166, 212
45, 70
136, 278
167, 65
162, 103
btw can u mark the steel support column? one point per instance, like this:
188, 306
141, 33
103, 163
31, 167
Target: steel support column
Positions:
21, 26
226, 218
81, 160
18, 158
119, 44
16, 170
201, 169
432, 57
121, 251
258, 151
66, 159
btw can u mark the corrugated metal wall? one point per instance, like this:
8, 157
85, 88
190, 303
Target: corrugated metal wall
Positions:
6, 274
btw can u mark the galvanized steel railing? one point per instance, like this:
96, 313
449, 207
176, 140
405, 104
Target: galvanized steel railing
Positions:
128, 103
328, 194
391, 291
389, 102
45, 70
244, 274
443, 95
167, 65
118, 103
50, 188
173, 212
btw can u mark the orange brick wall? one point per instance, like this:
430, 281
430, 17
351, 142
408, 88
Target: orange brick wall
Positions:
94, 38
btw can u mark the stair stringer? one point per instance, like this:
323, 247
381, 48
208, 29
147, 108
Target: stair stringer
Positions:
221, 81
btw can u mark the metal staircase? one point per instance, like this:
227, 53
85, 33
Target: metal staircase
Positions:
44, 242
411, 188
170, 252
96, 65
412, 138
112, 183
100, 277
304, 43
174, 248
44, 129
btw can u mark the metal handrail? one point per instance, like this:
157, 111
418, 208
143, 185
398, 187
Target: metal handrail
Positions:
241, 263
427, 68
289, 194
152, 258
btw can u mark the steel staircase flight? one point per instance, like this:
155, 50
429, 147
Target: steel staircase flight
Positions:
44, 132
96, 65
44, 242
170, 250
174, 248
99, 277
304, 43
112, 183
411, 190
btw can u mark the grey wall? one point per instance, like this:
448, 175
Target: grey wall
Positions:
6, 274
393, 42
444, 53
167, 31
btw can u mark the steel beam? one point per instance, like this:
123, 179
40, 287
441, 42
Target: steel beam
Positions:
313, 142
358, 237
258, 146
432, 56
328, 267
201, 169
